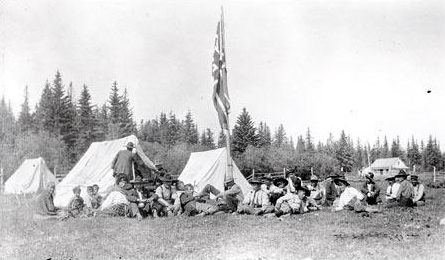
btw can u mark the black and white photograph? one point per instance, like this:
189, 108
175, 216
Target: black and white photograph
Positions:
257, 130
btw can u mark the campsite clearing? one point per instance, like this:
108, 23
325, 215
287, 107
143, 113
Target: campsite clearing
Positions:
393, 234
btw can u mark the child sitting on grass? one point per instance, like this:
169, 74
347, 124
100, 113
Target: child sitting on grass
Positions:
76, 204
96, 199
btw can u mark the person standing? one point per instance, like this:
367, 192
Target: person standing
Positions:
123, 162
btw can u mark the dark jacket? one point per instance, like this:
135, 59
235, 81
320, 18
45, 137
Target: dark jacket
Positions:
331, 190
123, 163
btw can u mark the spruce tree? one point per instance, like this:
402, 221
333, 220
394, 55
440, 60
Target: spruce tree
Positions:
59, 107
310, 148
344, 154
385, 149
244, 133
126, 122
163, 128
209, 139
70, 133
280, 138
189, 135
87, 124
221, 139
25, 121
173, 130
301, 146
264, 135
43, 110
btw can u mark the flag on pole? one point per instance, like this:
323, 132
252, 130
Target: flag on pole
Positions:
221, 98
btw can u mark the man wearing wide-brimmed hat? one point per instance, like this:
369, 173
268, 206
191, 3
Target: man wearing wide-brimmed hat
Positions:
419, 191
331, 190
124, 161
318, 191
227, 200
370, 189
391, 190
164, 203
256, 202
405, 194
267, 183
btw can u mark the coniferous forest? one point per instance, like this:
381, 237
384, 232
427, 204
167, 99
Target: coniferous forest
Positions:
60, 128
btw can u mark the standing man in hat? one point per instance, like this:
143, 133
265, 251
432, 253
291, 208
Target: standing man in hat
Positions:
405, 194
256, 202
419, 191
370, 190
122, 163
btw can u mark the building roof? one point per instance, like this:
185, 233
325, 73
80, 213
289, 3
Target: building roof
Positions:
383, 163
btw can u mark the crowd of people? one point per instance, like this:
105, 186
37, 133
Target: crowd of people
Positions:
269, 196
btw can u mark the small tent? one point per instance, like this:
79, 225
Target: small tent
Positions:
31, 177
95, 168
209, 167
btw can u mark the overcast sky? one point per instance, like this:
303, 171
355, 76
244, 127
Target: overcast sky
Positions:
362, 67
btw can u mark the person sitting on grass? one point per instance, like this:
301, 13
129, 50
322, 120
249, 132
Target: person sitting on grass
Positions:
227, 200
351, 198
405, 193
267, 183
115, 203
44, 207
256, 201
419, 191
96, 198
296, 203
391, 190
76, 203
330, 190
163, 206
179, 189
371, 190
277, 190
318, 192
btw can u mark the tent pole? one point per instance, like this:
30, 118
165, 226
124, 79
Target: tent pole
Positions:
1, 181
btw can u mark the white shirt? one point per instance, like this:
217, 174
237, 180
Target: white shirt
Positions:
257, 199
347, 195
391, 191
418, 192
114, 198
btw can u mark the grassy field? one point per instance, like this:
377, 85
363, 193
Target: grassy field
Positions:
394, 234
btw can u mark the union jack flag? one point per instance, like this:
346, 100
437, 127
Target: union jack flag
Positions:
221, 98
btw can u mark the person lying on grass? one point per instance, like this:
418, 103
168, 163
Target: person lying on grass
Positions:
227, 200
256, 201
419, 191
351, 198
44, 206
295, 203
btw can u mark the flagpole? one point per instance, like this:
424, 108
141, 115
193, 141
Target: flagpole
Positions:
229, 173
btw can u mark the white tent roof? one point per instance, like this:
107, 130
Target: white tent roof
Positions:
31, 176
95, 168
209, 167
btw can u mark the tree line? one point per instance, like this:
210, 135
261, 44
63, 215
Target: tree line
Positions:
61, 127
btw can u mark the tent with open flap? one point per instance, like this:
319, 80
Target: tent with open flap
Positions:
95, 168
210, 167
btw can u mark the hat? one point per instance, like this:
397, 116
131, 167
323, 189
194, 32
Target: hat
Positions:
341, 179
392, 178
280, 179
120, 178
401, 173
253, 181
414, 178
314, 178
168, 178
130, 145
307, 192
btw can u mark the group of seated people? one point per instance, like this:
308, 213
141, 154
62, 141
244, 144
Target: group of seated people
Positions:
272, 197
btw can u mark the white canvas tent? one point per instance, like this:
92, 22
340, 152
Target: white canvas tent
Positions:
209, 167
31, 177
95, 168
